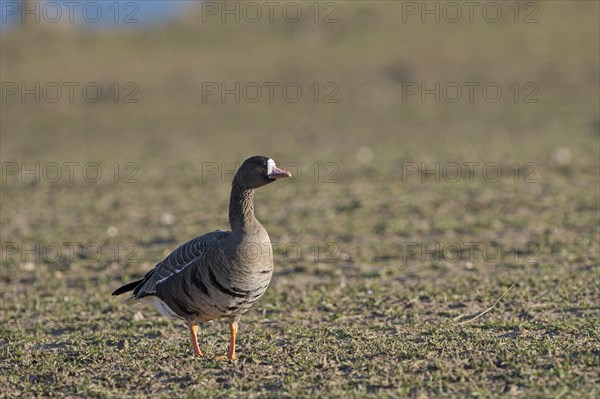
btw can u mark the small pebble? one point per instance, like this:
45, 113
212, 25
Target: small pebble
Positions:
167, 218
364, 155
28, 267
563, 156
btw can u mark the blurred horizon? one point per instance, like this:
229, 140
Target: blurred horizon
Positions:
92, 15
367, 59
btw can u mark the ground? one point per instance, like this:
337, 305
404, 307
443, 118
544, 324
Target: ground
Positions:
378, 267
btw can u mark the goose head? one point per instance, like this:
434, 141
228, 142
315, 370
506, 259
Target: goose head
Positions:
258, 171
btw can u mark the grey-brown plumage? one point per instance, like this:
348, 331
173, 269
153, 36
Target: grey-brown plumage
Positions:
219, 274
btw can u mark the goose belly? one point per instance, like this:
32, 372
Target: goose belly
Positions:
211, 292
162, 307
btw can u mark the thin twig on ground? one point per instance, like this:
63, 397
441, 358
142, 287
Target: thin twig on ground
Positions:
488, 309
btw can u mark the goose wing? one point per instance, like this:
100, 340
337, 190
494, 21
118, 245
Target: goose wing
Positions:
179, 260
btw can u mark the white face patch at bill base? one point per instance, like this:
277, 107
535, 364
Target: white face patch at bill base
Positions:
270, 167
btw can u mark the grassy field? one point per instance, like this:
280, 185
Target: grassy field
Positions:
378, 270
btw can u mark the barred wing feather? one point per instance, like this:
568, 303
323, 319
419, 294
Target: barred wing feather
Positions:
180, 259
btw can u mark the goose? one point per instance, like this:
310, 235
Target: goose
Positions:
220, 274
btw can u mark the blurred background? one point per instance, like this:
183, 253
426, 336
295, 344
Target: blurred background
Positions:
122, 124
164, 98
130, 118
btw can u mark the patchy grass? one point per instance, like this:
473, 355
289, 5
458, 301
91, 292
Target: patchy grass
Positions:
375, 269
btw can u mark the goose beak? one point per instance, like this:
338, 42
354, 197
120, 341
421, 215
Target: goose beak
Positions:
277, 173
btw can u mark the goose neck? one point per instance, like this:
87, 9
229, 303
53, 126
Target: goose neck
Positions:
241, 207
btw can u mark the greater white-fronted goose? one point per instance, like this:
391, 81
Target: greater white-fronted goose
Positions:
219, 274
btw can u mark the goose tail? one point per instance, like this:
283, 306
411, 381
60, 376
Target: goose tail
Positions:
127, 287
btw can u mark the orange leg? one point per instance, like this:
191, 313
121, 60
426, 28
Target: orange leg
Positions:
194, 331
233, 329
